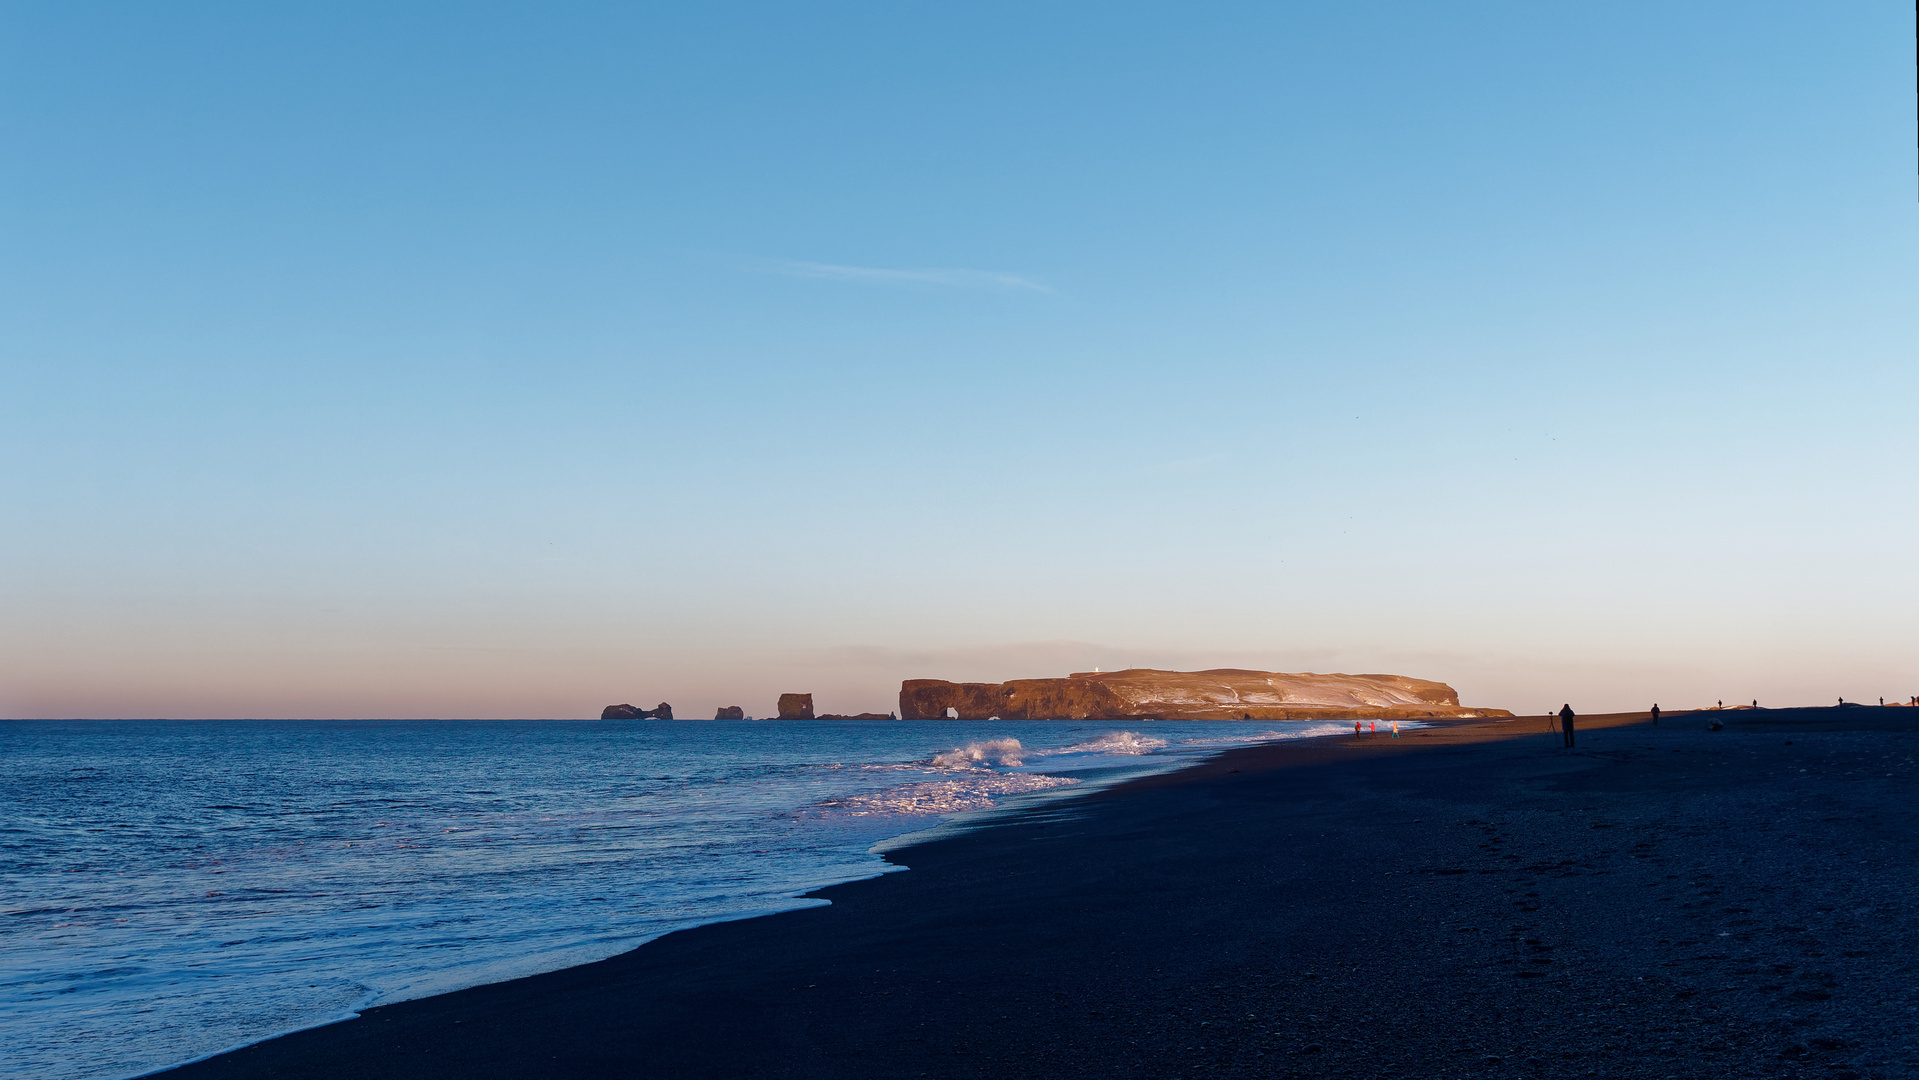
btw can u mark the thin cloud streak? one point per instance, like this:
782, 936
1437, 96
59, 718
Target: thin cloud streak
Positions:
948, 278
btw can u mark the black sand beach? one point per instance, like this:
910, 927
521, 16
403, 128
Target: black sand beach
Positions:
1471, 900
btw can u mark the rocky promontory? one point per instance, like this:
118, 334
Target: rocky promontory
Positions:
663, 711
1219, 694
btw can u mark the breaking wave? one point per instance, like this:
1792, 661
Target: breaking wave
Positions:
976, 755
1116, 742
1009, 753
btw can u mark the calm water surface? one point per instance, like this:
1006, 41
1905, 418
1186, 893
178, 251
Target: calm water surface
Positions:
169, 889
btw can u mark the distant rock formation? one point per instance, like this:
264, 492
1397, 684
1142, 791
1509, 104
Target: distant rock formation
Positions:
1219, 694
858, 716
796, 706
629, 712
730, 712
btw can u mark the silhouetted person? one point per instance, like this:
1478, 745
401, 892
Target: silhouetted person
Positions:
1655, 714
1566, 723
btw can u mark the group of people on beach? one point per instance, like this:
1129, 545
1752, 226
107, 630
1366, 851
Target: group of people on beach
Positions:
1360, 730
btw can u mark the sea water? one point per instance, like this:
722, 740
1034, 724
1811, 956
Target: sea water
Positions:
173, 888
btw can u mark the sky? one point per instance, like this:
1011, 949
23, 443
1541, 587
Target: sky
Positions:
510, 360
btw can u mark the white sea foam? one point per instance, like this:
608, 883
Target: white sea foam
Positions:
945, 796
987, 752
1115, 742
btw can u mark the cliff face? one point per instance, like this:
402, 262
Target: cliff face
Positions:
1220, 694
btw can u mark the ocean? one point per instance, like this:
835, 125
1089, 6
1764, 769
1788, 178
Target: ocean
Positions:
173, 888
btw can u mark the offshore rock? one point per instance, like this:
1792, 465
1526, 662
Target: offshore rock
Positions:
730, 712
1219, 694
629, 712
796, 706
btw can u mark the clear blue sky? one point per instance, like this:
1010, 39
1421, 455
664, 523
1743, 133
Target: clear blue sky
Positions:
470, 360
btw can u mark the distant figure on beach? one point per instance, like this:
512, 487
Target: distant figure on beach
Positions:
1356, 729
1566, 723
1655, 714
1395, 729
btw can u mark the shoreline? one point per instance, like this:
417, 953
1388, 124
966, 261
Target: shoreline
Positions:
1276, 894
904, 830
1047, 800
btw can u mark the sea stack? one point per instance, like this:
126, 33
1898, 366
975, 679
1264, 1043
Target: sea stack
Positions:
730, 712
796, 706
1218, 694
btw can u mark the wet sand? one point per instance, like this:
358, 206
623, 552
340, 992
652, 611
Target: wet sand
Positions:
1471, 900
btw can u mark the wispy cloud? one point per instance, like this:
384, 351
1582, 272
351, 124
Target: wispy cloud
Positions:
941, 278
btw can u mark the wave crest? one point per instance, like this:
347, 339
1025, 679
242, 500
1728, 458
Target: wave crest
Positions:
979, 754
1114, 742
